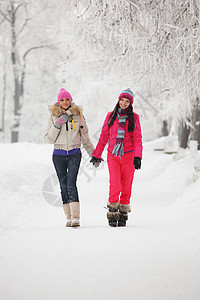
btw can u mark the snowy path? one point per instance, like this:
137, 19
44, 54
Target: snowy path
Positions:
155, 257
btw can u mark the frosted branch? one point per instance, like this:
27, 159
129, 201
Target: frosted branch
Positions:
16, 9
34, 48
23, 26
5, 17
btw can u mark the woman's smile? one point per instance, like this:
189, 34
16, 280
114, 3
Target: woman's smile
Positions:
124, 103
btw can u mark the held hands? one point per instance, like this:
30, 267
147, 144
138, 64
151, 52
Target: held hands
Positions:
95, 161
137, 163
61, 120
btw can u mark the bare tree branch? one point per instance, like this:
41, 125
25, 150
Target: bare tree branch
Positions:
144, 74
80, 15
2, 21
23, 26
16, 9
34, 48
5, 16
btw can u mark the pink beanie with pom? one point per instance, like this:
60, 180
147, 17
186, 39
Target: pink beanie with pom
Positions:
127, 94
64, 94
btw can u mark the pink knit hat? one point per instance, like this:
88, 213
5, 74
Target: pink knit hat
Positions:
64, 94
127, 94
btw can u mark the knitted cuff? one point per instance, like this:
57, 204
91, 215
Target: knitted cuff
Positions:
56, 125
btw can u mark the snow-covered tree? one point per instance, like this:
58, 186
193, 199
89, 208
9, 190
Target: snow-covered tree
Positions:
21, 39
148, 41
176, 44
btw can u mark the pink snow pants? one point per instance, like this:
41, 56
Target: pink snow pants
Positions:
121, 171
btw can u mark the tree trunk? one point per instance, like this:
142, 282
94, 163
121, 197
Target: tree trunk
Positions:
183, 134
3, 99
165, 130
17, 85
14, 136
195, 120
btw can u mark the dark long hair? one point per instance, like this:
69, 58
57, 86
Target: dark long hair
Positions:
113, 116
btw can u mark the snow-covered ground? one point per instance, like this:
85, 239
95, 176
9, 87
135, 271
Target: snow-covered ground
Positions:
157, 256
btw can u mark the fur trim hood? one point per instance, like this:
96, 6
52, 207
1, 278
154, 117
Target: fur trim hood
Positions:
57, 110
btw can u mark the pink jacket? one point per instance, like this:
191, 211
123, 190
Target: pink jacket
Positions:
132, 140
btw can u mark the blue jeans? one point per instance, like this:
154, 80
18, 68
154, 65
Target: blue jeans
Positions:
67, 168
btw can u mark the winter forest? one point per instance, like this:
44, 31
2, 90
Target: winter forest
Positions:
150, 46
95, 49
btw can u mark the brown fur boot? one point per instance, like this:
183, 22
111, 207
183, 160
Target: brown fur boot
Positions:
75, 213
123, 217
67, 212
113, 214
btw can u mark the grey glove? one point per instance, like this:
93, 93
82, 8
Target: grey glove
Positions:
61, 120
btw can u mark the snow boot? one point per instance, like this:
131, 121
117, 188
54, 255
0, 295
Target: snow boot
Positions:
67, 212
113, 214
122, 220
123, 214
75, 213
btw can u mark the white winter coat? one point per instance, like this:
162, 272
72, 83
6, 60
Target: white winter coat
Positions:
66, 137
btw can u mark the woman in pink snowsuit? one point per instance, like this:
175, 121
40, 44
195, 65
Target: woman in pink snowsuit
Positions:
122, 130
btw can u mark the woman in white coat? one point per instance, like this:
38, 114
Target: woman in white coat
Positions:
67, 130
